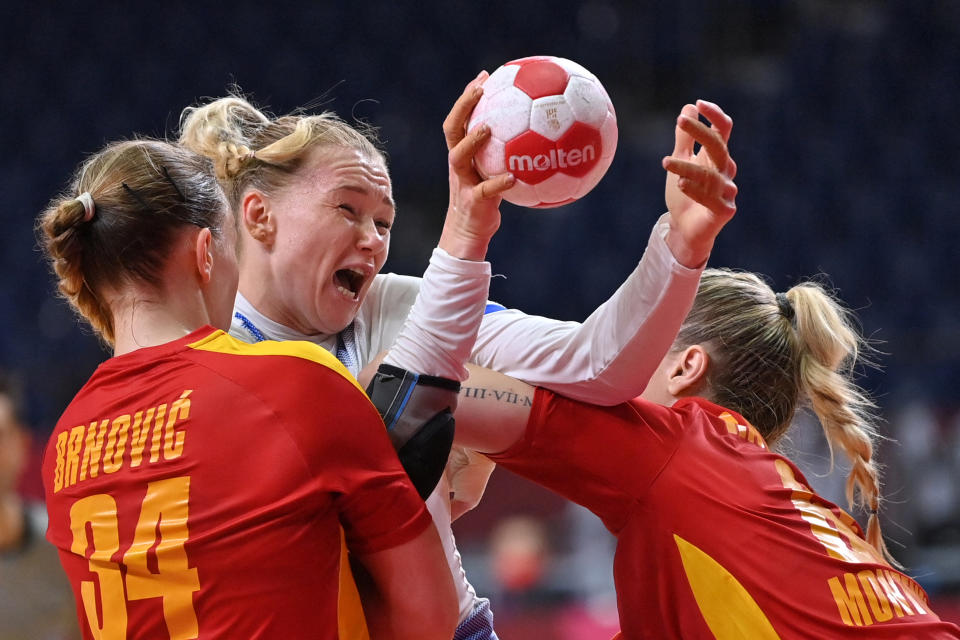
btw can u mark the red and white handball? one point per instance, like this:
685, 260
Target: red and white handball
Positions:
552, 126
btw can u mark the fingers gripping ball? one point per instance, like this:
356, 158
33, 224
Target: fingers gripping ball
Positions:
552, 126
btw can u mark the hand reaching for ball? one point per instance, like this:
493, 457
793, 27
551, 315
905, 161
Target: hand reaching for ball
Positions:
473, 215
700, 192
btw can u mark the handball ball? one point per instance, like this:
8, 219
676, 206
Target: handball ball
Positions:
552, 126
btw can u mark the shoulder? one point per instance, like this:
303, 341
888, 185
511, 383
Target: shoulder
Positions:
307, 359
299, 382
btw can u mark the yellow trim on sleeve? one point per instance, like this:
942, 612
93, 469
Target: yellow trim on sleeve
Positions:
726, 606
220, 342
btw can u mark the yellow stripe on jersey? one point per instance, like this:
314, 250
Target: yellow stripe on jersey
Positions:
351, 623
730, 612
220, 342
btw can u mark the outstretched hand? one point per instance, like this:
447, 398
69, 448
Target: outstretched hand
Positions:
700, 192
473, 215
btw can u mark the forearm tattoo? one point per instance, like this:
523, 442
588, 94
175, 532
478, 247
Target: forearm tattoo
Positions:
490, 394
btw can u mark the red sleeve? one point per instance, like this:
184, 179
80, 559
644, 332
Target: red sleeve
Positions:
347, 450
603, 458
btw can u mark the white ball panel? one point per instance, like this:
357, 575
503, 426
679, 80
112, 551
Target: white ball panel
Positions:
591, 180
490, 158
522, 194
609, 135
508, 113
551, 117
573, 68
586, 101
557, 188
501, 78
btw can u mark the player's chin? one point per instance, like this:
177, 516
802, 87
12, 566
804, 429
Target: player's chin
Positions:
338, 310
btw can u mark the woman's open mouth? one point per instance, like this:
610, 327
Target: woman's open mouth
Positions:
349, 282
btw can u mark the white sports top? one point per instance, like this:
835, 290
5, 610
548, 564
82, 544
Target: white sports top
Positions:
607, 359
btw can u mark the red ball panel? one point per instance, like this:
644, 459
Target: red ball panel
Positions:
527, 59
540, 78
582, 148
533, 158
528, 157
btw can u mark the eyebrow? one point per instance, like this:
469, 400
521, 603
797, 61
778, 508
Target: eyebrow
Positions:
364, 192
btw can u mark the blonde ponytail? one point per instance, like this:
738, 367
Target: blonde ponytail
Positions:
770, 352
830, 349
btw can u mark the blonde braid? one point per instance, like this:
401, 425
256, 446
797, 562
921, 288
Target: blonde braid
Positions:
830, 350
771, 351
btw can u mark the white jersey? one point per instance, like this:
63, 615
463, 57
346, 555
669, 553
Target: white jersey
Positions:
607, 359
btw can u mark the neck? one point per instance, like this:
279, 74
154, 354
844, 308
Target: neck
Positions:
257, 285
264, 302
149, 323
270, 328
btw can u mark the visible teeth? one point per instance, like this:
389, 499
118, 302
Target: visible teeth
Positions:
346, 292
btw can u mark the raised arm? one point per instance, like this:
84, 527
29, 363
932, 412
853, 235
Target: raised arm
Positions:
416, 388
441, 328
609, 357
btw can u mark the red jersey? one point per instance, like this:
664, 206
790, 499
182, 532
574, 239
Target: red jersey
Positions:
197, 489
718, 537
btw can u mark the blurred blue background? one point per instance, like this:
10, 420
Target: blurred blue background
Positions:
845, 135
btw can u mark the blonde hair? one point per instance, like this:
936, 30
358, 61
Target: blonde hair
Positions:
143, 192
251, 148
768, 352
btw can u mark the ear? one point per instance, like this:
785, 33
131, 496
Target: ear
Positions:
689, 375
258, 219
203, 254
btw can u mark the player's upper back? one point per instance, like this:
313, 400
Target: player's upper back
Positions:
137, 409
210, 469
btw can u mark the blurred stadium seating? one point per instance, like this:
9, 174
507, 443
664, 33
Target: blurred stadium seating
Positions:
844, 134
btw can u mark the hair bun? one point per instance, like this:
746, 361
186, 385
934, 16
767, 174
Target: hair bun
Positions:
786, 307
231, 159
89, 208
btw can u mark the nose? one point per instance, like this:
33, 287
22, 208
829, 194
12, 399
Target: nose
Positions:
371, 238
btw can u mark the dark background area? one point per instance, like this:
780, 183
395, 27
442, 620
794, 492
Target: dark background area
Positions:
845, 135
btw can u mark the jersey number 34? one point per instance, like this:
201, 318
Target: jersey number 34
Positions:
162, 526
